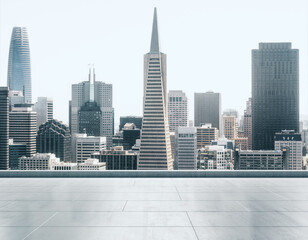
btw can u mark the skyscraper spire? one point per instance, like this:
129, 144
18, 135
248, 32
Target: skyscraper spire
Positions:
91, 83
154, 41
155, 148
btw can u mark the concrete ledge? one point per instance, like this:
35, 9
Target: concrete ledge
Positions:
153, 174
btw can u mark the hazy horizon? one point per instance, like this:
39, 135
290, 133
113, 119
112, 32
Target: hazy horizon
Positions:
208, 46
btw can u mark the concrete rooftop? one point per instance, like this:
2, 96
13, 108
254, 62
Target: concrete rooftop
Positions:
153, 208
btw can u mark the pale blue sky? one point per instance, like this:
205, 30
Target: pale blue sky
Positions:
208, 45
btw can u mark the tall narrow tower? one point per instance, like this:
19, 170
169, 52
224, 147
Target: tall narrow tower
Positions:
155, 148
19, 66
275, 92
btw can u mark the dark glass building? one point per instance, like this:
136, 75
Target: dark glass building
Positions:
90, 116
130, 119
4, 128
207, 109
275, 93
19, 66
130, 135
16, 150
54, 137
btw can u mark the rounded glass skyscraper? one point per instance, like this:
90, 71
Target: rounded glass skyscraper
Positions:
19, 66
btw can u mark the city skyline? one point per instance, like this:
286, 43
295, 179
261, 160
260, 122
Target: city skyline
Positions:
201, 79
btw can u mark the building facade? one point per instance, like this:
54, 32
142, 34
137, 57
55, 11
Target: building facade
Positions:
39, 161
261, 160
19, 65
185, 148
155, 148
85, 145
248, 124
214, 158
208, 109
4, 128
242, 143
223, 141
275, 92
205, 135
117, 159
16, 150
229, 127
177, 110
44, 110
54, 137
130, 135
130, 119
23, 127
293, 141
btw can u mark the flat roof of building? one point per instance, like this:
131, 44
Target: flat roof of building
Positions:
153, 208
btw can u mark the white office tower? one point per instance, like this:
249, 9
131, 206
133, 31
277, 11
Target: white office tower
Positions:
186, 148
23, 127
39, 161
293, 141
85, 145
155, 148
177, 110
91, 108
44, 110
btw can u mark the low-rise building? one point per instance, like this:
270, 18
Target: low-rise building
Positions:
39, 161
117, 159
64, 166
261, 160
91, 164
214, 158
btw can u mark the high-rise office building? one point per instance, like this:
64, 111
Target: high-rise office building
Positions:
177, 110
185, 148
208, 109
44, 110
205, 135
229, 127
293, 141
130, 119
248, 124
23, 127
275, 92
91, 108
19, 66
155, 148
54, 137
4, 128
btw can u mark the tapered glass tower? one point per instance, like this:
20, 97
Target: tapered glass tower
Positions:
155, 148
19, 67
